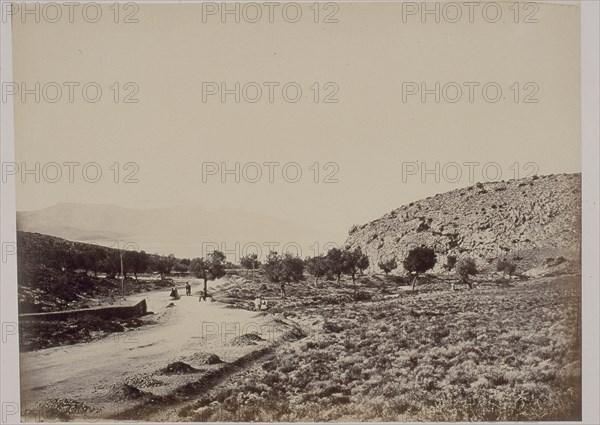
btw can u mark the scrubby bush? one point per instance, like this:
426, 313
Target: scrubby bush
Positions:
465, 268
388, 266
361, 296
450, 262
506, 267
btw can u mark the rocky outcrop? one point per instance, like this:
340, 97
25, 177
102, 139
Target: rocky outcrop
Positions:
527, 219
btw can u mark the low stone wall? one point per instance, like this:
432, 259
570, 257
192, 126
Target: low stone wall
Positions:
122, 312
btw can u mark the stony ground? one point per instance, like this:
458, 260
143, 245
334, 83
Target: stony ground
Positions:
502, 352
374, 351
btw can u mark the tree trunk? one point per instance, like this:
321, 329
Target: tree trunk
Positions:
282, 289
135, 275
415, 282
339, 275
467, 282
205, 287
354, 278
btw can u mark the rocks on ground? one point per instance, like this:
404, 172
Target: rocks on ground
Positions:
177, 368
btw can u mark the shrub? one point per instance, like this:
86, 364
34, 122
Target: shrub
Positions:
388, 266
466, 267
450, 262
361, 296
506, 267
332, 327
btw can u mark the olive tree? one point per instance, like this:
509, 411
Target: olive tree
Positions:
209, 268
419, 260
283, 269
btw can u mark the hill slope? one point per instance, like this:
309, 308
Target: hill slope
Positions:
45, 284
531, 218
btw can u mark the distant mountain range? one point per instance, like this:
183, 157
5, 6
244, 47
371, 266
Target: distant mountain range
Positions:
186, 231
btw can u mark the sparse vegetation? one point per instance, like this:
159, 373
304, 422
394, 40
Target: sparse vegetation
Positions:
499, 354
388, 266
465, 268
450, 262
506, 267
373, 351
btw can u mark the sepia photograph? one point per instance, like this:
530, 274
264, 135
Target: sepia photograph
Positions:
299, 211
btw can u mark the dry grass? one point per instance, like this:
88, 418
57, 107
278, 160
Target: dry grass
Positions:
495, 354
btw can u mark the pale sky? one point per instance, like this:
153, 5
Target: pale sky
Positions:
368, 133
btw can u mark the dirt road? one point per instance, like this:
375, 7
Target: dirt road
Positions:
93, 373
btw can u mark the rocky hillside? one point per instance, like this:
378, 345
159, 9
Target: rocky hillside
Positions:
528, 220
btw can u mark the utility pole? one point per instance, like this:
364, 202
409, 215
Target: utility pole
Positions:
122, 275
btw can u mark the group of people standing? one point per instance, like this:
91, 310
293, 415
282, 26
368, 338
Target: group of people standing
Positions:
175, 294
260, 303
